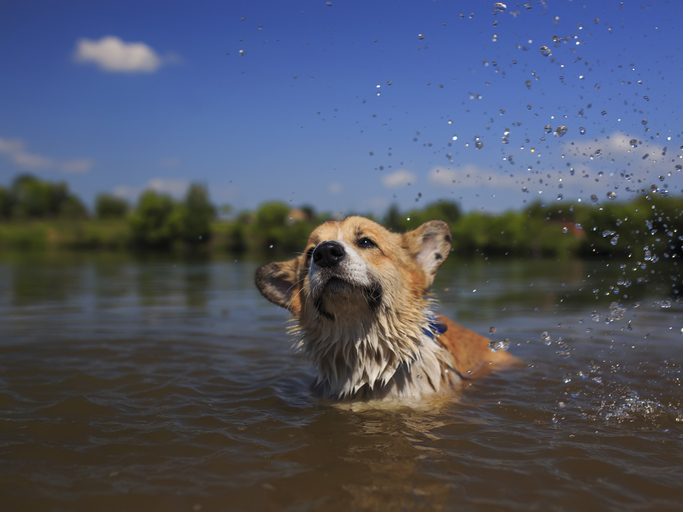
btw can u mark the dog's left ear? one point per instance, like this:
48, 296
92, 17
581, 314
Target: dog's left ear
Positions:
429, 246
278, 283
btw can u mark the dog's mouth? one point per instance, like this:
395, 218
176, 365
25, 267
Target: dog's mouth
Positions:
336, 285
348, 293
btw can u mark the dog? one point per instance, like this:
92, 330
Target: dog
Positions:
363, 313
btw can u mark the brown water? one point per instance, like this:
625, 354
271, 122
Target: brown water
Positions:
170, 385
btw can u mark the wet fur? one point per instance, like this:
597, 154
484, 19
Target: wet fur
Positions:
367, 320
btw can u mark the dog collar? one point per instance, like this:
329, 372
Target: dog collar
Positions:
434, 326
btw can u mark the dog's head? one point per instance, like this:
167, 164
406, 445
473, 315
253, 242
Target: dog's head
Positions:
354, 270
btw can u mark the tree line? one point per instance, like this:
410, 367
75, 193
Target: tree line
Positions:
37, 213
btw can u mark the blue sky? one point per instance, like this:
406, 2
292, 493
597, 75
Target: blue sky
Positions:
344, 105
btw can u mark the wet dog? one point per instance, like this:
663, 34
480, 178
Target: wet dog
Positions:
364, 315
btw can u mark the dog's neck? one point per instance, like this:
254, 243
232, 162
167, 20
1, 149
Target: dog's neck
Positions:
377, 356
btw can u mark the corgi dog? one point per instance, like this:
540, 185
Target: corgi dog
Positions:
362, 312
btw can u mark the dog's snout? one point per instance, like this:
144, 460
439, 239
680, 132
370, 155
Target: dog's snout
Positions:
328, 254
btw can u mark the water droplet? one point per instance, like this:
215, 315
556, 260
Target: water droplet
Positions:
634, 143
479, 144
594, 198
420, 36
643, 122
614, 240
499, 6
505, 140
545, 51
547, 128
565, 229
560, 131
527, 7
546, 338
492, 330
495, 346
611, 194
582, 130
559, 197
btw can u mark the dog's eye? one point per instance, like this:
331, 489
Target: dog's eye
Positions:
366, 243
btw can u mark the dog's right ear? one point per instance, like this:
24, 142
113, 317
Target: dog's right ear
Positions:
278, 283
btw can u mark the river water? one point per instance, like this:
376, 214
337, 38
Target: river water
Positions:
170, 384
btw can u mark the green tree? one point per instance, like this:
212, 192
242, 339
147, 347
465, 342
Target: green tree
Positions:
156, 222
35, 198
6, 203
270, 225
198, 213
108, 206
392, 219
446, 211
72, 208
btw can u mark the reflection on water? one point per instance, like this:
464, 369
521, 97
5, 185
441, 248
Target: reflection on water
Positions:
170, 385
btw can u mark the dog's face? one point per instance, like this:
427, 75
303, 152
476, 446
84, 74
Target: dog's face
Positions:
355, 269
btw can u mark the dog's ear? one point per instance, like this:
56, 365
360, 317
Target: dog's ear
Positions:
429, 246
279, 284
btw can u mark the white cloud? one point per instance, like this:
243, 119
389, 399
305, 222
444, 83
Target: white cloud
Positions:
166, 186
173, 187
468, 176
401, 177
15, 150
112, 54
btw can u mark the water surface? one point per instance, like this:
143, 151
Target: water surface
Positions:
170, 384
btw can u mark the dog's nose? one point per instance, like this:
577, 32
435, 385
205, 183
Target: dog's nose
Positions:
328, 254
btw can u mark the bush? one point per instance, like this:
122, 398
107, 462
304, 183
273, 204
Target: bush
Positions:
32, 198
110, 207
197, 215
156, 222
